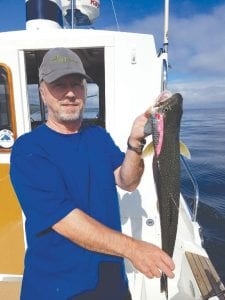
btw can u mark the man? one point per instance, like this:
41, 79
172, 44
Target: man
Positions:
65, 178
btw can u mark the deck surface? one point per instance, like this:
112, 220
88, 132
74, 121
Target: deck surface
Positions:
207, 278
10, 290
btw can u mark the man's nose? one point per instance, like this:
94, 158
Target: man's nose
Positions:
71, 92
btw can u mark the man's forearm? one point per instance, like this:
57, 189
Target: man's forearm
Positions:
90, 234
130, 172
128, 176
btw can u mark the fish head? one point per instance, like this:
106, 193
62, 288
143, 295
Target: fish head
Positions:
165, 116
169, 110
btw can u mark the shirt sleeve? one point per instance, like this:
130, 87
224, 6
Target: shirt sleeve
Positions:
40, 189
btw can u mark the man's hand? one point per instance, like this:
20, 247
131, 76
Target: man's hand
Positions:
150, 259
137, 133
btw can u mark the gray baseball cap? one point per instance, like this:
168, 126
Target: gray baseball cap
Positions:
59, 62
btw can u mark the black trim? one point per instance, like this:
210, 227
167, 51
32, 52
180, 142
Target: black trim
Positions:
43, 9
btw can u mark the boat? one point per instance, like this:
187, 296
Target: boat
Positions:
129, 74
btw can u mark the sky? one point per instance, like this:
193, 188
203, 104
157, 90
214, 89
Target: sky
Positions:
196, 39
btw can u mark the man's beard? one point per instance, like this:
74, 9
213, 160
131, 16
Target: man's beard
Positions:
67, 117
70, 117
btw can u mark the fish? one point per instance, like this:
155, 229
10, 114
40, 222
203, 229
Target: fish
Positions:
164, 125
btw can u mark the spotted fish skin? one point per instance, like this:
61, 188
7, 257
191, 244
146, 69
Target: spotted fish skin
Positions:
165, 126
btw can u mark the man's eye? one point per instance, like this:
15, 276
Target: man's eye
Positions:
59, 84
78, 85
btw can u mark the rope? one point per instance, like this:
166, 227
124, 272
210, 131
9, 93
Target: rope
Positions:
115, 16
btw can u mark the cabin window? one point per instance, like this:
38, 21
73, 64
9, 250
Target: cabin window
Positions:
93, 60
38, 112
7, 116
91, 111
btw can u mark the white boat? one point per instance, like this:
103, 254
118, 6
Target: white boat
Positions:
129, 74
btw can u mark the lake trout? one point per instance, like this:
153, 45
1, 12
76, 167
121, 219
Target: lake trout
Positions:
164, 124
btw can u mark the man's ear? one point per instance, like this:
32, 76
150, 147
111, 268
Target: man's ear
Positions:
41, 90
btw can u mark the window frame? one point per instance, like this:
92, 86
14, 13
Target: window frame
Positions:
33, 59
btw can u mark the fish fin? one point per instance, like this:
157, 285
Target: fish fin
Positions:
164, 285
148, 150
184, 150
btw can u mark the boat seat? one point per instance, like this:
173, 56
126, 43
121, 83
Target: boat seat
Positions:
10, 290
208, 280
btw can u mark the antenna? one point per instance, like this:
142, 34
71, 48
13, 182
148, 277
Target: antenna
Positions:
166, 27
72, 14
164, 50
115, 16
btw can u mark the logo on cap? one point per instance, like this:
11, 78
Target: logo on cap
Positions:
63, 59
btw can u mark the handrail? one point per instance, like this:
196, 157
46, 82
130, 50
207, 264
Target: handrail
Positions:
196, 189
164, 75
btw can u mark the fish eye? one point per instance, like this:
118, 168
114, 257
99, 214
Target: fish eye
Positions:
167, 108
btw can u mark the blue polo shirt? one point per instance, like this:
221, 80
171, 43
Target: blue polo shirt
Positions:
53, 174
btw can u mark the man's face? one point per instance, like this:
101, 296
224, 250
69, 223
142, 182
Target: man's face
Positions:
65, 98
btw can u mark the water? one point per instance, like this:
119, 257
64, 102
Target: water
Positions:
203, 131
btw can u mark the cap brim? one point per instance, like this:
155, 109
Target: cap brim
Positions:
53, 77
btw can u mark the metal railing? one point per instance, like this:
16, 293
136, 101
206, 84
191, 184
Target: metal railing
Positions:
196, 189
163, 53
164, 75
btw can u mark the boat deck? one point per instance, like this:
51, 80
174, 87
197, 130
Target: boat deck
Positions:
208, 280
10, 290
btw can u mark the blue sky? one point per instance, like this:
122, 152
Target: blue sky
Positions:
196, 38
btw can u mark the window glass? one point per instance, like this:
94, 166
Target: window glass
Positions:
37, 109
92, 102
5, 120
7, 128
38, 112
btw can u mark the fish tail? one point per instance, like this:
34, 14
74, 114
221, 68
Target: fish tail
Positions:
164, 284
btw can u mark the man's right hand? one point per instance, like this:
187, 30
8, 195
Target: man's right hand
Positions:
150, 259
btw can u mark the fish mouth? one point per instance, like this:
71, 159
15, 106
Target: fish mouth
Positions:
163, 97
167, 103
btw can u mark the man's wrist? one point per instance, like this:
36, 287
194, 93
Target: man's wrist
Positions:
136, 146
